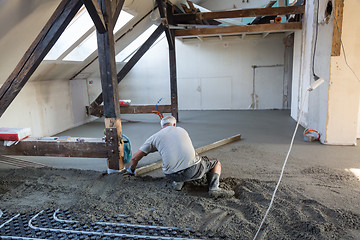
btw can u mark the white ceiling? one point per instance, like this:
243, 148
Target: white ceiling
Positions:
22, 20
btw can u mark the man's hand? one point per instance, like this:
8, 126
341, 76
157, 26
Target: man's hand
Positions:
131, 172
134, 161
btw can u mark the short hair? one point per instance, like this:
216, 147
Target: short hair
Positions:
168, 120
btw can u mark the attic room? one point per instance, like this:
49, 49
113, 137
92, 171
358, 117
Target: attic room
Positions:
252, 82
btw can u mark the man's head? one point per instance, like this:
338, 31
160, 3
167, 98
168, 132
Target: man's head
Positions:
168, 121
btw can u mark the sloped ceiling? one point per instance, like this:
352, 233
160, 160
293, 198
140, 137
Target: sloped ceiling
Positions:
22, 20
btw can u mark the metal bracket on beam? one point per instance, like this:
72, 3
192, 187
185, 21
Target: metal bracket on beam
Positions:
112, 148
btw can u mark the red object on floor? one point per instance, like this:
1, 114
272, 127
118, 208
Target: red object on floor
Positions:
14, 134
124, 102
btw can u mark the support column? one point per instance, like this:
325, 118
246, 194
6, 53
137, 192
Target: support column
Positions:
109, 84
173, 79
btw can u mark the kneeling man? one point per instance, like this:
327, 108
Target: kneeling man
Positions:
180, 161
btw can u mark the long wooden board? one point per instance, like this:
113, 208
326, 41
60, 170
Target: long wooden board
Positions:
135, 109
89, 148
158, 164
258, 28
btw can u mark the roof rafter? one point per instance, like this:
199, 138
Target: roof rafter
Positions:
96, 15
46, 39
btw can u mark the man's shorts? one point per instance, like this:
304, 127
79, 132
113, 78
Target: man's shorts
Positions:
194, 172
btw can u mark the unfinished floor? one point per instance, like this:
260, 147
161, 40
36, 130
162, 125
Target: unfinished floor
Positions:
318, 198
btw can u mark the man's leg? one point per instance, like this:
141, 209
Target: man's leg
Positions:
213, 178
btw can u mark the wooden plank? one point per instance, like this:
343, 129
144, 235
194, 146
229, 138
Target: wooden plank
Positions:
48, 36
109, 85
89, 148
252, 12
158, 164
218, 144
259, 28
148, 168
96, 15
135, 109
131, 63
337, 28
173, 80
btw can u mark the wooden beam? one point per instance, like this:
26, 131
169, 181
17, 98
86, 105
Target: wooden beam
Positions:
257, 19
109, 85
131, 63
158, 164
253, 12
219, 143
337, 28
173, 80
136, 109
117, 9
259, 28
96, 15
87, 147
48, 36
164, 22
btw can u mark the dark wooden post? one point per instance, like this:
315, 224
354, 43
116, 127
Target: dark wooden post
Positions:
131, 63
109, 84
170, 36
173, 79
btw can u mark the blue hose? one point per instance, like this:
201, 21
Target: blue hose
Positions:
127, 149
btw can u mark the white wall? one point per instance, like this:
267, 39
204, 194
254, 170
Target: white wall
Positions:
212, 74
358, 122
344, 91
44, 106
315, 108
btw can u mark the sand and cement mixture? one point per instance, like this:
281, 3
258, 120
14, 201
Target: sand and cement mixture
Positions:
94, 196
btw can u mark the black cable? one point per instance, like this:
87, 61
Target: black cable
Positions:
316, 38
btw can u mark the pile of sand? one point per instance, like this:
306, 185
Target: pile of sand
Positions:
93, 196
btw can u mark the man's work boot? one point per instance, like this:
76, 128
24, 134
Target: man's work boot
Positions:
214, 190
177, 185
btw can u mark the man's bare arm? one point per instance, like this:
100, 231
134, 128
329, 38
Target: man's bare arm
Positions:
135, 159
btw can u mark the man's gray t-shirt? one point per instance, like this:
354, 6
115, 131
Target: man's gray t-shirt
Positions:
175, 148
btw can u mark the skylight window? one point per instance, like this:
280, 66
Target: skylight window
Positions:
134, 45
162, 36
79, 26
76, 29
83, 50
89, 45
